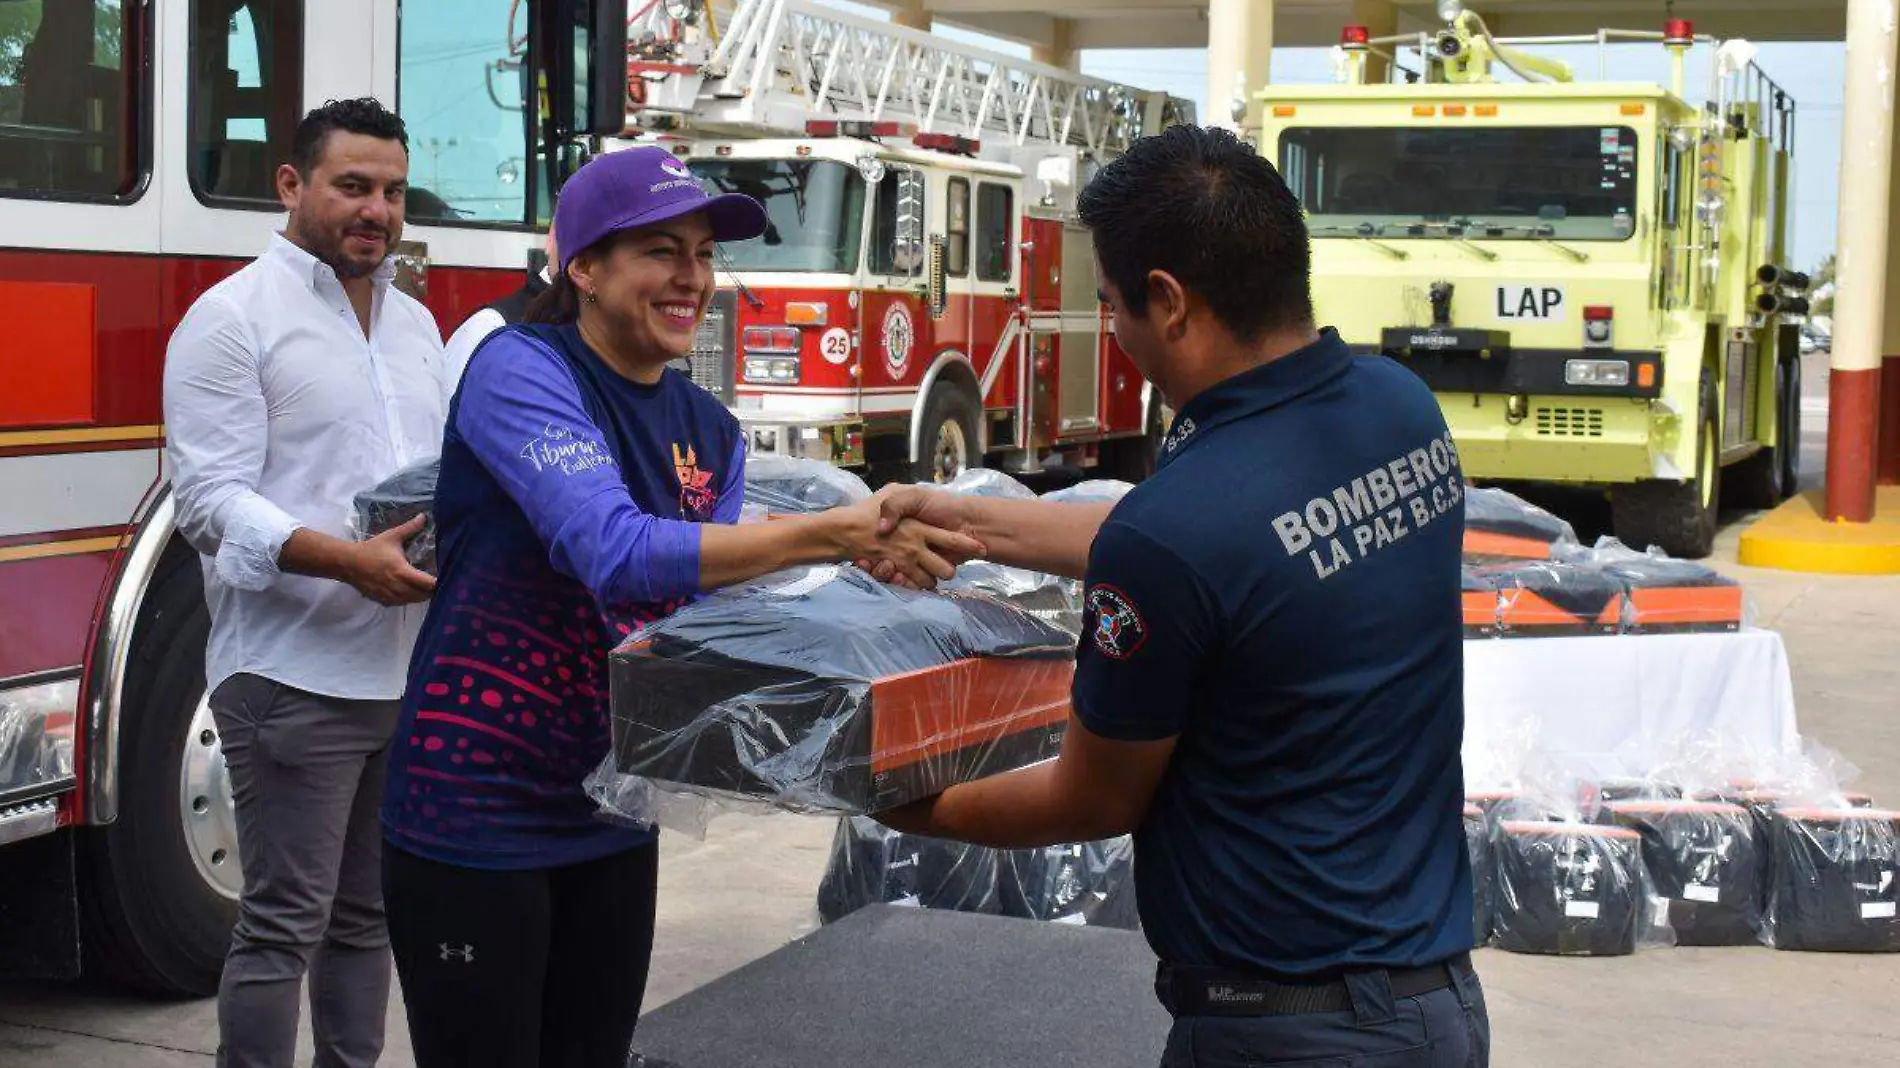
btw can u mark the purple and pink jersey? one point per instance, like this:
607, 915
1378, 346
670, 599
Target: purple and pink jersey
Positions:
566, 510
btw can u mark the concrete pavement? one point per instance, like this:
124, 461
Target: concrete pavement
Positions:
748, 889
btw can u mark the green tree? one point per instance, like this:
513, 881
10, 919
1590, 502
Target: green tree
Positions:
1824, 276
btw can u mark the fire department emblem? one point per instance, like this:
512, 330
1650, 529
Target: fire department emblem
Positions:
899, 338
1119, 629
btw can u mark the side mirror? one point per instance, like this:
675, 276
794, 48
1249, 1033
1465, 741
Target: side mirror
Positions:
908, 252
584, 50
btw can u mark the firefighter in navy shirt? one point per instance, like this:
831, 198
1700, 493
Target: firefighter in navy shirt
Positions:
585, 489
1269, 685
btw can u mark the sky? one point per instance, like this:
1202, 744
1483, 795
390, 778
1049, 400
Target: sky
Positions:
1810, 73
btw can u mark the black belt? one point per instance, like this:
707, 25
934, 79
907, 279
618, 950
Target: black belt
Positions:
1187, 990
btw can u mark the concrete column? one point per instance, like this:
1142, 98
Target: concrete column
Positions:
1861, 250
1059, 52
1239, 53
1381, 19
1887, 465
914, 15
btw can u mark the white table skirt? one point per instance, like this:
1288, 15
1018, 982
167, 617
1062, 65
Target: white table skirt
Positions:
1616, 705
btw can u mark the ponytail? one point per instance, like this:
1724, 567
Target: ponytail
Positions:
559, 304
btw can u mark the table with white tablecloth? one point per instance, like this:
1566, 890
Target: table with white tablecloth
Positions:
1616, 705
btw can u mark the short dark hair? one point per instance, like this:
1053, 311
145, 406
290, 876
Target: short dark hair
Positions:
1203, 206
364, 115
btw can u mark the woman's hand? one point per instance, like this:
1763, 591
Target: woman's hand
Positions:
910, 551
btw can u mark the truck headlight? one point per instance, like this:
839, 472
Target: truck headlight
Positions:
1596, 372
781, 370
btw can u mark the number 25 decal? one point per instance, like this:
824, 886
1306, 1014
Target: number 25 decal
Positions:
835, 345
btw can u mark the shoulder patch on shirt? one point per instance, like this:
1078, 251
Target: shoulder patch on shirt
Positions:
1119, 631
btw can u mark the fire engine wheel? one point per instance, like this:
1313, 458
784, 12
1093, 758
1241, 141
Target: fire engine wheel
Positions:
1773, 474
161, 881
948, 446
1677, 517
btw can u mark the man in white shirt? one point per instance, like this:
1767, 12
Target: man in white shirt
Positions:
290, 387
492, 317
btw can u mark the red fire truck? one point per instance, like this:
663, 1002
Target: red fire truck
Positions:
137, 147
924, 300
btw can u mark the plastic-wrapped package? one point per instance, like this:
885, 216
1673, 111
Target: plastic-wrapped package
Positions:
1546, 598
1087, 883
1704, 859
1835, 880
822, 689
1478, 848
794, 485
1480, 599
872, 864
1663, 595
1501, 526
1567, 888
396, 500
1091, 491
983, 482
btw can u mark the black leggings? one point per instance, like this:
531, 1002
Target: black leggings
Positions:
522, 969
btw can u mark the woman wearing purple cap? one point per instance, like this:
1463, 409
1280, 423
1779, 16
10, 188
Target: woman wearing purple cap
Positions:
585, 489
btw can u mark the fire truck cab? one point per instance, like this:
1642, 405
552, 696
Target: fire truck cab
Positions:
1591, 276
138, 147
924, 301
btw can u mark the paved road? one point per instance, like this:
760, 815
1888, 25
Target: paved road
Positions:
747, 890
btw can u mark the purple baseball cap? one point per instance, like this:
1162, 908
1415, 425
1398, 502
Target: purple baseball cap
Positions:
638, 187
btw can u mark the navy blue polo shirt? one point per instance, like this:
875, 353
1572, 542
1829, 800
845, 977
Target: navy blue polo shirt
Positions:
1282, 598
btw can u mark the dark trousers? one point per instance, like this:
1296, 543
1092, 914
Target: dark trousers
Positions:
1446, 1028
522, 969
307, 780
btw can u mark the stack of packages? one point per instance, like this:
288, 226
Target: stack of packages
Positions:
1718, 848
1526, 575
821, 690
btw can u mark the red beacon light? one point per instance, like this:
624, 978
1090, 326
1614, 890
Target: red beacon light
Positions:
1678, 33
1355, 38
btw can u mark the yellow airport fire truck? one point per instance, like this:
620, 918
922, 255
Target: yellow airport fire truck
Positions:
1592, 277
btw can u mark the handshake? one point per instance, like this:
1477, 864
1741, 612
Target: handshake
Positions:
908, 536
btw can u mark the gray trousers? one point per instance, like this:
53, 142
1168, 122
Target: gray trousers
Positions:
307, 776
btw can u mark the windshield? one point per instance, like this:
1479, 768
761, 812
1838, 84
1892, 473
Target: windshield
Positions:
814, 212
1562, 182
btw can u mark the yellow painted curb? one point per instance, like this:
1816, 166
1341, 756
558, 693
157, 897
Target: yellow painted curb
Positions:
1795, 537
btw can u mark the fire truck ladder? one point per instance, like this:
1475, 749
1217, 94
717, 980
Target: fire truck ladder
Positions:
782, 63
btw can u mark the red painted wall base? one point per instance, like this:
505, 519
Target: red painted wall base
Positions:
1853, 426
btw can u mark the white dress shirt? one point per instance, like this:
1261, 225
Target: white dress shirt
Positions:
278, 411
473, 331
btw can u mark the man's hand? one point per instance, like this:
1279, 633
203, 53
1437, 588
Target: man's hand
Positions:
912, 553
379, 571
905, 505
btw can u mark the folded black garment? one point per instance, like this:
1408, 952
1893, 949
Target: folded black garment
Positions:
1704, 859
396, 500
826, 689
797, 486
1567, 888
1668, 596
1478, 848
1547, 598
1088, 883
1609, 790
1055, 601
1835, 881
1502, 526
872, 864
